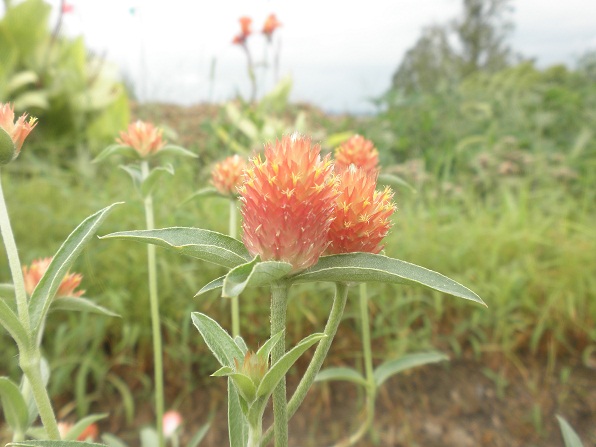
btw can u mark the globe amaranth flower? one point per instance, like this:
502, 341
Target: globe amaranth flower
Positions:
288, 202
17, 131
362, 214
226, 175
271, 24
32, 275
359, 151
143, 137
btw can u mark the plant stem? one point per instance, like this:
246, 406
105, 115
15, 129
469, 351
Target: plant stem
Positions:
155, 323
279, 304
14, 263
29, 361
337, 310
235, 309
255, 433
371, 388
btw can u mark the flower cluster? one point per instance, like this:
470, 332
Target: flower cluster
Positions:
32, 275
297, 205
270, 25
226, 175
17, 131
143, 137
358, 151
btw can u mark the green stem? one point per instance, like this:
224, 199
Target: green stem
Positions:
235, 309
255, 433
14, 263
337, 310
29, 361
279, 304
155, 323
371, 388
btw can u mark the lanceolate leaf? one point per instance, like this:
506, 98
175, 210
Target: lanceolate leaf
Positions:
14, 406
393, 181
207, 245
253, 274
42, 296
241, 344
208, 191
115, 149
172, 149
11, 323
408, 361
154, 177
368, 267
570, 437
281, 367
341, 373
237, 426
79, 304
265, 350
217, 283
217, 339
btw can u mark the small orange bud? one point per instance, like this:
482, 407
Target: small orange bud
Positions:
33, 274
288, 202
358, 151
362, 214
143, 137
253, 366
226, 175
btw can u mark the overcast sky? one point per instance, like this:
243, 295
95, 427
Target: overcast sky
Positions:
338, 52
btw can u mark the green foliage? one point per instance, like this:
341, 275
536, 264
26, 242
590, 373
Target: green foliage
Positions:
77, 96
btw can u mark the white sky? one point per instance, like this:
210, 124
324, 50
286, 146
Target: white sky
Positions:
337, 52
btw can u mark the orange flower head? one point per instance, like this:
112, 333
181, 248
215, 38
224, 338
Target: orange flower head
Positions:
17, 131
226, 175
245, 25
143, 137
32, 275
358, 151
239, 39
362, 214
271, 24
288, 202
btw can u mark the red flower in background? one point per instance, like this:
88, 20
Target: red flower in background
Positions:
271, 24
245, 23
288, 202
32, 275
67, 8
143, 137
226, 175
358, 151
19, 130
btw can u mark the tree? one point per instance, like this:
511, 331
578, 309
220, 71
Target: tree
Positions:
445, 54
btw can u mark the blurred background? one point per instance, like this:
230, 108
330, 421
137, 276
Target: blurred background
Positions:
486, 111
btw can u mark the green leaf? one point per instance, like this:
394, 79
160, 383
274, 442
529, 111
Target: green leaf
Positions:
81, 425
208, 191
217, 339
367, 267
115, 149
21, 79
570, 437
79, 304
246, 387
224, 371
206, 245
154, 177
47, 443
42, 296
112, 441
408, 361
14, 406
237, 424
11, 323
253, 274
149, 437
281, 367
241, 344
217, 283
27, 392
172, 149
265, 350
394, 181
341, 373
134, 172
7, 148
7, 290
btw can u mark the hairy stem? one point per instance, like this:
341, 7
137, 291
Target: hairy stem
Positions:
155, 323
279, 304
337, 310
14, 263
235, 308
